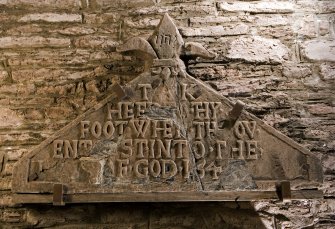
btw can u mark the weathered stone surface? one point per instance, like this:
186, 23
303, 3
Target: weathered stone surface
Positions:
319, 50
65, 4
258, 49
9, 118
257, 7
93, 41
214, 31
271, 20
294, 70
213, 20
327, 71
33, 42
51, 17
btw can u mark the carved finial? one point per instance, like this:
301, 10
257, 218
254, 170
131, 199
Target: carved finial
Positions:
166, 40
165, 43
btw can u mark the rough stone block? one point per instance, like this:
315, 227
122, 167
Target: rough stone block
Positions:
77, 30
321, 109
319, 50
96, 19
298, 71
327, 71
122, 3
59, 113
95, 42
48, 74
5, 201
143, 23
215, 20
5, 183
257, 7
33, 42
212, 31
15, 154
271, 20
258, 49
51, 17
29, 29
57, 4
9, 118
3, 75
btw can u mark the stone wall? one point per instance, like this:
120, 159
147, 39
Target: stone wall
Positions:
57, 59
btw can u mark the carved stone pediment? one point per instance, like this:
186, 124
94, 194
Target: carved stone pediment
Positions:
165, 136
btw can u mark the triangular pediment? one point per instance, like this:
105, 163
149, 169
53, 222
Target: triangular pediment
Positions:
164, 136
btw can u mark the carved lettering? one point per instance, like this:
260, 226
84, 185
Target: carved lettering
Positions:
181, 147
205, 110
122, 167
245, 127
65, 148
121, 126
141, 172
251, 149
245, 150
184, 94
169, 168
201, 168
238, 151
165, 128
155, 168
199, 149
186, 168
144, 90
84, 128
58, 145
142, 147
164, 148
140, 126
127, 148
219, 146
216, 170
198, 127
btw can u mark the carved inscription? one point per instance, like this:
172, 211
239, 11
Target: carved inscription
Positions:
143, 147
164, 132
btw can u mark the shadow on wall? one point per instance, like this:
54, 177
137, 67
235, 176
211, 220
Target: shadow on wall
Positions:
146, 215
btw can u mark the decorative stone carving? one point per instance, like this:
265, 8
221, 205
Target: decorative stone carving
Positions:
165, 136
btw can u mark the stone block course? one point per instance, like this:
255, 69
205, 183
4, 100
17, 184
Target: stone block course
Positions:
51, 17
256, 7
33, 42
216, 31
52, 4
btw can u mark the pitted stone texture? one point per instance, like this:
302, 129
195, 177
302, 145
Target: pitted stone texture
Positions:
319, 50
258, 49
